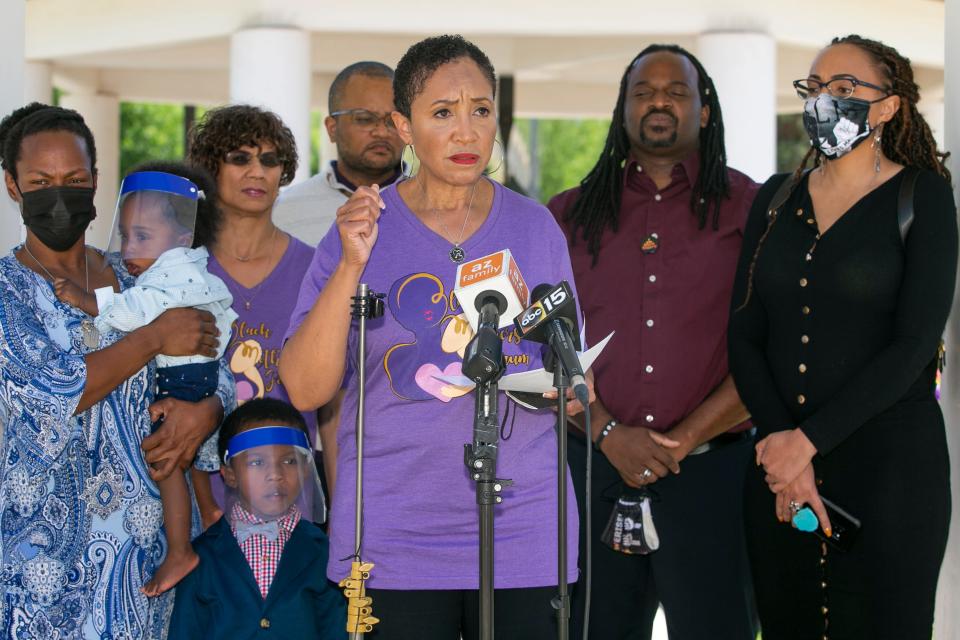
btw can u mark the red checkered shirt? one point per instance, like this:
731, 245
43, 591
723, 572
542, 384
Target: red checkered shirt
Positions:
263, 554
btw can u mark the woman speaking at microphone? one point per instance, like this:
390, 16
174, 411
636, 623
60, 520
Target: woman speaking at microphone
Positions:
420, 511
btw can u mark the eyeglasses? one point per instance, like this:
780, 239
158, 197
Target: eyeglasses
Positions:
268, 160
366, 119
839, 87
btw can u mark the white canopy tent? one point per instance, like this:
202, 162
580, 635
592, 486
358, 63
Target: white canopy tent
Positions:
565, 58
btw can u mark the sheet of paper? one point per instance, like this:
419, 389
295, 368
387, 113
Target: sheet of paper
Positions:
535, 381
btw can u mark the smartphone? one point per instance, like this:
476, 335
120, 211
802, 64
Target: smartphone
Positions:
845, 527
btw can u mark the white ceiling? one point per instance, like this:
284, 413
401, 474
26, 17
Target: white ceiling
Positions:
567, 57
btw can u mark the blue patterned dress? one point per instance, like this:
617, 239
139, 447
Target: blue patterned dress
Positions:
80, 518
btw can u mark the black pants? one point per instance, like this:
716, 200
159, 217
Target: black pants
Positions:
519, 614
894, 476
700, 572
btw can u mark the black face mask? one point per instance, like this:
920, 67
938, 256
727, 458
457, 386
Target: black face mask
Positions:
58, 216
836, 126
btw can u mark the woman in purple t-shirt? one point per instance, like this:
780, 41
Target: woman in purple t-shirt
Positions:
251, 154
420, 512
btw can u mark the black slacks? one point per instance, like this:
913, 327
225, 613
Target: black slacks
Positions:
519, 614
894, 475
699, 574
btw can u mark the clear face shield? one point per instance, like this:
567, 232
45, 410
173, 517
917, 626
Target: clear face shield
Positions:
156, 212
270, 477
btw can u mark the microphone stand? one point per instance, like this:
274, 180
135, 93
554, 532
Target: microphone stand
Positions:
480, 457
562, 602
366, 304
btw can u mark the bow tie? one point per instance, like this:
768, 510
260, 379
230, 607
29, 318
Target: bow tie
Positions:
270, 530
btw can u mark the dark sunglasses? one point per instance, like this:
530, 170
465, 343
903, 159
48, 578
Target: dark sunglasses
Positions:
269, 160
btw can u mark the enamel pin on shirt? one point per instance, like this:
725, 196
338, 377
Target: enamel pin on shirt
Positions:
651, 243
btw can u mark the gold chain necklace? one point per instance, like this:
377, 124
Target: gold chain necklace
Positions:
248, 302
88, 330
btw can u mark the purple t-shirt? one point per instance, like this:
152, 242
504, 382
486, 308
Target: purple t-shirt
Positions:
257, 336
420, 513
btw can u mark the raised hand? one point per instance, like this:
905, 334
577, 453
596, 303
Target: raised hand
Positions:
357, 222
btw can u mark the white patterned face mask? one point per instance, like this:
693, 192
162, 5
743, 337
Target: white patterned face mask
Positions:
836, 125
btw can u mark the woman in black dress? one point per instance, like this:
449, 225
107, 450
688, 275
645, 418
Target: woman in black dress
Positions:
837, 317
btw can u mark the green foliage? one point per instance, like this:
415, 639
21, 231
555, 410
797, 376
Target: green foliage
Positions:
150, 132
792, 141
316, 131
568, 149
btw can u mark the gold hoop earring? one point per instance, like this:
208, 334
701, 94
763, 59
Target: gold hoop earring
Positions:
406, 168
503, 154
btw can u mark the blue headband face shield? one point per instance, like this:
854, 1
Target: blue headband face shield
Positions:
270, 476
156, 212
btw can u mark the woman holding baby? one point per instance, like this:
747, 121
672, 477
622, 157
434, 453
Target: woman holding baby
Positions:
80, 514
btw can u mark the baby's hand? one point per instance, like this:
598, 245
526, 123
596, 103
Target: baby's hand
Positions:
68, 292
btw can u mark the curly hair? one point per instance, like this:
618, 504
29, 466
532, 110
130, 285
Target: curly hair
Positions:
228, 128
425, 57
37, 117
208, 214
598, 204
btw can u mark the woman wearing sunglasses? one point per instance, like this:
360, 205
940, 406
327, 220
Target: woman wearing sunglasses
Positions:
251, 154
839, 303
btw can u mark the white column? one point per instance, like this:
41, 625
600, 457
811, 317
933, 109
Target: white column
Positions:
743, 66
932, 109
270, 68
12, 28
328, 148
102, 114
38, 82
947, 616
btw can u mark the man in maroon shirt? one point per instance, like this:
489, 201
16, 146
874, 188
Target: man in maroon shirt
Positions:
655, 231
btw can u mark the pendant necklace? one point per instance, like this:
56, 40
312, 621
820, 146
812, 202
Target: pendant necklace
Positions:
88, 330
456, 252
248, 302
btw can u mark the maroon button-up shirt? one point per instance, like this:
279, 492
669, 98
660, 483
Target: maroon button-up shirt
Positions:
669, 306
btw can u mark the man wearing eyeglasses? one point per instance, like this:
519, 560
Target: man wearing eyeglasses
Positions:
368, 151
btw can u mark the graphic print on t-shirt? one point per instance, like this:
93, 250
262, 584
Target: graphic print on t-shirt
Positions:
253, 367
439, 332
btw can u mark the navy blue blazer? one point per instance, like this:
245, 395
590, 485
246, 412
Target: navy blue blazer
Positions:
220, 599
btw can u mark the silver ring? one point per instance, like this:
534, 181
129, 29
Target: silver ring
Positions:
795, 506
647, 474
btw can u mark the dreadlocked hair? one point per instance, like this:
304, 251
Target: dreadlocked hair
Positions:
598, 204
906, 139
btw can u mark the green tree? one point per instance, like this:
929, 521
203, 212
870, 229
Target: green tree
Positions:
568, 149
792, 141
149, 132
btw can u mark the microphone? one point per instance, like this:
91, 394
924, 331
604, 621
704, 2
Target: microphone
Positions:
552, 319
494, 277
483, 357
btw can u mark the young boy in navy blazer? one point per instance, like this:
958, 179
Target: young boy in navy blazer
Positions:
262, 571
